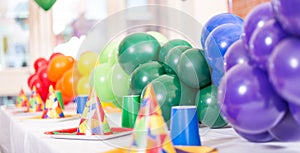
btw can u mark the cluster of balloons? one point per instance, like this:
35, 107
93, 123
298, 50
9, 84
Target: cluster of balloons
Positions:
176, 71
261, 97
39, 78
58, 72
217, 35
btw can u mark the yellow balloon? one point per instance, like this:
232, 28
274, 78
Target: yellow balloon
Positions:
83, 86
86, 62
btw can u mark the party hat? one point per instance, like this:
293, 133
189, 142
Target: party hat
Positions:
52, 108
22, 100
35, 102
150, 131
93, 120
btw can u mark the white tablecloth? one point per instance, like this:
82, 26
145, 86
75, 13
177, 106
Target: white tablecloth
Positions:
18, 136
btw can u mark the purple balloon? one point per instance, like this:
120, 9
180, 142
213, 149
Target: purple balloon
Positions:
295, 111
236, 54
287, 129
258, 137
284, 69
263, 41
287, 13
256, 19
248, 101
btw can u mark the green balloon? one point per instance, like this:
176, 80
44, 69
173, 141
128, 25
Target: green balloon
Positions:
120, 83
192, 68
109, 53
45, 4
136, 49
158, 36
143, 75
208, 108
102, 82
167, 90
188, 95
172, 58
168, 46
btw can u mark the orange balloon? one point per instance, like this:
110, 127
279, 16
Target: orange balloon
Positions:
68, 83
59, 85
58, 65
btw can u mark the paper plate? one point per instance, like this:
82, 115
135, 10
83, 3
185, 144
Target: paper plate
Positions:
38, 118
71, 134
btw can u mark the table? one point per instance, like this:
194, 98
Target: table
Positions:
18, 136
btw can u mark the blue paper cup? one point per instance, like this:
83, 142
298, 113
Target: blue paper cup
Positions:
80, 102
184, 126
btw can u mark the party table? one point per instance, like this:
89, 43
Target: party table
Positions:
18, 136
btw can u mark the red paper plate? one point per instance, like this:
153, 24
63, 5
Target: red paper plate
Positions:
71, 133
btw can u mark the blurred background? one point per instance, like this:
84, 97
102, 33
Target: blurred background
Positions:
28, 32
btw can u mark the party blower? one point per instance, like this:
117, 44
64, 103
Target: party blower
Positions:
150, 131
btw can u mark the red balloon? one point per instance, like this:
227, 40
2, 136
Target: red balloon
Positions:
39, 63
43, 76
32, 80
43, 91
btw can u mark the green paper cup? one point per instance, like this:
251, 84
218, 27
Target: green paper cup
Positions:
60, 99
130, 109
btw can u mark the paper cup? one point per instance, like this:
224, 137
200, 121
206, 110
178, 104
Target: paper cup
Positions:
130, 109
80, 102
184, 126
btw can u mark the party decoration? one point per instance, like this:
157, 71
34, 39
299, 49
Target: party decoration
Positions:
22, 100
109, 53
236, 54
216, 21
168, 92
135, 49
150, 132
248, 101
45, 4
102, 82
258, 137
287, 14
284, 69
39, 62
68, 83
193, 69
52, 107
256, 19
172, 58
168, 46
120, 84
158, 36
208, 109
58, 65
83, 86
143, 75
289, 124
295, 111
93, 120
263, 41
35, 102
86, 62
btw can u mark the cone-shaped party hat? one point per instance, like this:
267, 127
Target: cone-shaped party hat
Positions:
93, 120
150, 131
52, 107
35, 102
22, 100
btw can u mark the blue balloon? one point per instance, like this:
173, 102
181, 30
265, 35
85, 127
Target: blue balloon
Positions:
216, 21
216, 77
217, 43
